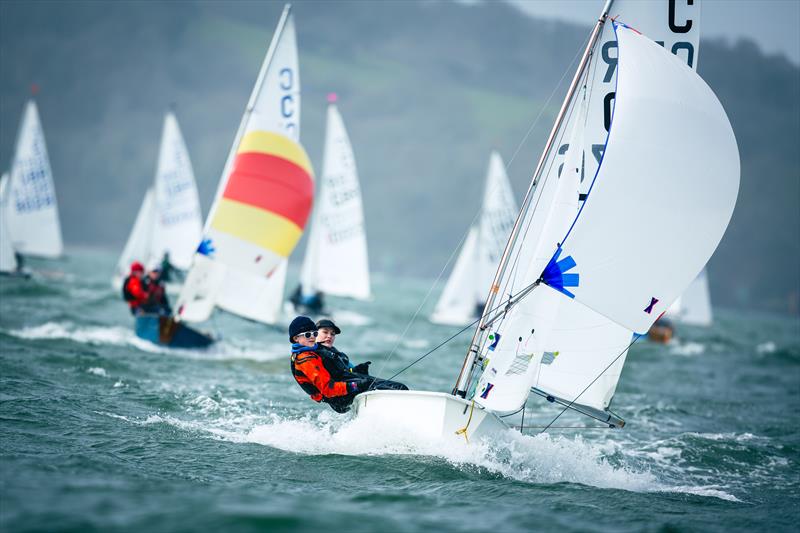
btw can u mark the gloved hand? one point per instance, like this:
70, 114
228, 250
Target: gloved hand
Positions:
358, 386
363, 368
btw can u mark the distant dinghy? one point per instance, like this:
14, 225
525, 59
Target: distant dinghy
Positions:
336, 261
463, 297
32, 215
169, 221
262, 203
580, 273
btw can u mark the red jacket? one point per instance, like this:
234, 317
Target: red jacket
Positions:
313, 378
133, 286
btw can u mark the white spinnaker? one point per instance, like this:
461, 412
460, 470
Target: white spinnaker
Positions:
274, 106
694, 304
671, 160
178, 224
512, 360
32, 216
138, 246
8, 261
456, 305
338, 233
675, 24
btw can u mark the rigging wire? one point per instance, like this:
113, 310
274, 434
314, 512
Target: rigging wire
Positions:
568, 406
477, 213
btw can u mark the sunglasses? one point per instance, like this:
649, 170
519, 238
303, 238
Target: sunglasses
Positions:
308, 334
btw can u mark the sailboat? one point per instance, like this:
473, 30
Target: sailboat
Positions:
463, 298
580, 275
262, 202
169, 222
32, 210
336, 261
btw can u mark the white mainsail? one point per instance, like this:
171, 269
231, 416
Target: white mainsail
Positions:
139, 244
262, 202
337, 229
32, 215
464, 293
169, 220
178, 223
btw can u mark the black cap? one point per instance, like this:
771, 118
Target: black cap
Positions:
327, 323
299, 325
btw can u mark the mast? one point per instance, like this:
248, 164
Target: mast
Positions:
465, 373
262, 74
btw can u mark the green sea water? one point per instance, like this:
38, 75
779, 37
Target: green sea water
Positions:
102, 431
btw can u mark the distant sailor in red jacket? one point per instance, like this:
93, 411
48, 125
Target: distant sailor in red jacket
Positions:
133, 289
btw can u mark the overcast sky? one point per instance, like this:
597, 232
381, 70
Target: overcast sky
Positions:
773, 24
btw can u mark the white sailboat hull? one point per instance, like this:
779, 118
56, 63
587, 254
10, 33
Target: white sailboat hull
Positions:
430, 415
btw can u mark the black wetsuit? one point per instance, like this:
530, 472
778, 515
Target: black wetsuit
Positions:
338, 366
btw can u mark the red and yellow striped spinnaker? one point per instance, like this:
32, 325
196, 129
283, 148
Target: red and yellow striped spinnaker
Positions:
265, 204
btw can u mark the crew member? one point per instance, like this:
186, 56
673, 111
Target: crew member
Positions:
133, 289
311, 373
156, 294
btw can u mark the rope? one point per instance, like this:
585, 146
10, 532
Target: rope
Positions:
635, 338
463, 431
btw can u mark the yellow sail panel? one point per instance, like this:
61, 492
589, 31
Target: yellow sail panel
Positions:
257, 226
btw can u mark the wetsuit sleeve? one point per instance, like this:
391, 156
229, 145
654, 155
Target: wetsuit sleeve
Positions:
311, 366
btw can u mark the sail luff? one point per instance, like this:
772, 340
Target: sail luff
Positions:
138, 245
248, 110
465, 373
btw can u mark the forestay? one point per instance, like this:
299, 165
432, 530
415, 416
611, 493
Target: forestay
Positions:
32, 217
337, 231
668, 129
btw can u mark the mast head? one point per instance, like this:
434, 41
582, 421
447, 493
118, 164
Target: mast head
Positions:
34, 89
332, 98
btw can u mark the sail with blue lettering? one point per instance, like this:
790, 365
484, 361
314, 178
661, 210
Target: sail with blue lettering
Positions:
32, 217
263, 199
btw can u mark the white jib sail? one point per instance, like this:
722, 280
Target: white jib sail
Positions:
337, 233
8, 261
138, 245
178, 224
271, 124
32, 216
667, 127
465, 290
456, 305
516, 345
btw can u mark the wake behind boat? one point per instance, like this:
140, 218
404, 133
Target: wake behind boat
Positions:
571, 290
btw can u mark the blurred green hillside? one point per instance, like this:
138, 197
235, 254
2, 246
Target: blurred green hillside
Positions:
426, 89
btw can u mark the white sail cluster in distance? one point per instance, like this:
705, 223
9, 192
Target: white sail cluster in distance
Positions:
604, 276
32, 210
465, 291
337, 231
262, 202
169, 220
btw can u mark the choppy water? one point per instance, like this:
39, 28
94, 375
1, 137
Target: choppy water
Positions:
102, 431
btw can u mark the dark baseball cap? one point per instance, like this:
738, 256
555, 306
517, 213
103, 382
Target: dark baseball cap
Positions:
327, 323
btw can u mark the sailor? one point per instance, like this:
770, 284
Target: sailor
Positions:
313, 303
133, 288
339, 365
311, 373
168, 271
156, 294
